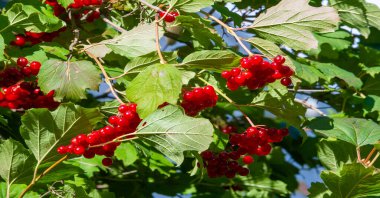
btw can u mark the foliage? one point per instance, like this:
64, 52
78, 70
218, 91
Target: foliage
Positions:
99, 55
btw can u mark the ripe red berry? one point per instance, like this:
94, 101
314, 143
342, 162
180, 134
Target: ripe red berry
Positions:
123, 108
279, 59
79, 150
226, 74
35, 67
256, 60
19, 41
245, 63
89, 154
107, 161
62, 150
247, 159
22, 62
286, 81
243, 171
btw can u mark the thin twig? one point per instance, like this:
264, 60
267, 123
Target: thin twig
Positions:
359, 155
106, 77
158, 47
370, 155
42, 174
311, 90
230, 31
374, 159
113, 25
304, 103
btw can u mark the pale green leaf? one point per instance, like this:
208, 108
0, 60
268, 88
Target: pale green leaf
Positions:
283, 24
138, 64
171, 132
2, 47
127, 153
334, 153
372, 71
191, 5
373, 15
155, 85
356, 131
69, 79
65, 3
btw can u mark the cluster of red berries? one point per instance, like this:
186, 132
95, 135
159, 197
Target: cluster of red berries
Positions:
170, 17
16, 94
198, 99
12, 75
26, 95
255, 73
254, 141
78, 4
99, 142
33, 38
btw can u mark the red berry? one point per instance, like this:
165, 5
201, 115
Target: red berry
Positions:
226, 74
256, 60
35, 67
243, 171
89, 154
279, 59
113, 120
235, 71
79, 150
286, 81
107, 161
245, 63
123, 108
19, 41
247, 159
22, 62
62, 150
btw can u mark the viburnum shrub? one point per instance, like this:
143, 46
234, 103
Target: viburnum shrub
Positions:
138, 98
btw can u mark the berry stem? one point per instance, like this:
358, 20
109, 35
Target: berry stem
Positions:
374, 159
113, 25
230, 31
229, 100
369, 155
158, 47
34, 180
304, 103
106, 77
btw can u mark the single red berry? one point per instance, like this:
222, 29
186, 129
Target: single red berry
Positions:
247, 75
35, 67
89, 154
206, 155
79, 150
22, 62
19, 41
107, 161
62, 150
123, 108
245, 63
286, 81
247, 159
82, 140
256, 60
235, 71
230, 174
279, 59
113, 120
243, 171
226, 74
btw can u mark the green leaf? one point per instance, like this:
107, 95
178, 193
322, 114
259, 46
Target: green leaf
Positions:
65, 3
171, 132
308, 73
269, 49
201, 30
155, 85
215, 60
281, 103
43, 131
191, 5
15, 159
136, 42
352, 13
69, 79
372, 71
318, 190
372, 86
334, 153
356, 131
55, 50
372, 103
16, 190
353, 180
28, 17
138, 64
127, 153
283, 24
373, 15
331, 71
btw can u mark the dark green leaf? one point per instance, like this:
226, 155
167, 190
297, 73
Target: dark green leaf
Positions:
333, 154
216, 60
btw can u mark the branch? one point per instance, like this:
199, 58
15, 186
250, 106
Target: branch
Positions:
304, 103
106, 77
162, 59
42, 174
230, 31
151, 6
113, 25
